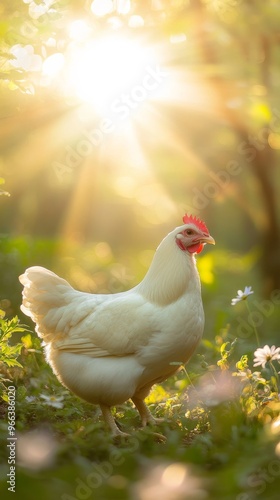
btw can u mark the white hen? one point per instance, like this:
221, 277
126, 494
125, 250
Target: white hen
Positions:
111, 348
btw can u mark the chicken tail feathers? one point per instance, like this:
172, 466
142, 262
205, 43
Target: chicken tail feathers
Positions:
46, 299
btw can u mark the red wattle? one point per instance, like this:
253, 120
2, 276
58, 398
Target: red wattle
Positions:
196, 248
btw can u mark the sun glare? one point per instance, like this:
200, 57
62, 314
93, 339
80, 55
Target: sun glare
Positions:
53, 64
101, 8
105, 68
78, 30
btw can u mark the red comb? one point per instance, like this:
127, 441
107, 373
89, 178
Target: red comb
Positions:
191, 219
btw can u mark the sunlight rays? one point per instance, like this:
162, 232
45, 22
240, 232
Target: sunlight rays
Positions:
121, 88
105, 68
100, 67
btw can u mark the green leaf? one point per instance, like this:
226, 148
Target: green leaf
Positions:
21, 392
27, 341
13, 362
223, 348
242, 364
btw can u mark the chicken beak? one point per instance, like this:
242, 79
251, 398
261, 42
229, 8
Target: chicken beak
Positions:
208, 239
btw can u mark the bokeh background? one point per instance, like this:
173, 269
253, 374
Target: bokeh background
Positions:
117, 117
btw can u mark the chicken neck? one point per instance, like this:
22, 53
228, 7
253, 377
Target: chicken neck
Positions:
171, 273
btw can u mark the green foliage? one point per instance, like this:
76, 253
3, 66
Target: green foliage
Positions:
8, 353
226, 350
214, 150
221, 422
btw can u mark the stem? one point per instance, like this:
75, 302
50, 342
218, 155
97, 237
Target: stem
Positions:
275, 374
254, 326
188, 377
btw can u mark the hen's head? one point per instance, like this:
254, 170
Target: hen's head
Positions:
193, 235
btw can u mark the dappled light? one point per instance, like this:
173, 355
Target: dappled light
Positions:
169, 481
36, 450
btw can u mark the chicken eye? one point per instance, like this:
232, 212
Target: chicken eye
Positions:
189, 232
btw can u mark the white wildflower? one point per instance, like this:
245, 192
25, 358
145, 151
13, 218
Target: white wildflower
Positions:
242, 295
265, 354
55, 401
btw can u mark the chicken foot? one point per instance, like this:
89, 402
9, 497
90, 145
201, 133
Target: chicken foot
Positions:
145, 414
110, 421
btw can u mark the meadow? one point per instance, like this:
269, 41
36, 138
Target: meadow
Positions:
117, 118
221, 413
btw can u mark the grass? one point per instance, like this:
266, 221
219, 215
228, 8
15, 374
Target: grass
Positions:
221, 434
222, 423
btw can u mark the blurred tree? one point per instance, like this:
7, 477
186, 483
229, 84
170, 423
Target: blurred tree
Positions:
257, 40
223, 57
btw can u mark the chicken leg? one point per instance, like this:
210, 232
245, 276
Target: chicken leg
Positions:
145, 414
110, 421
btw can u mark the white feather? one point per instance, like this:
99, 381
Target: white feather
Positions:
109, 348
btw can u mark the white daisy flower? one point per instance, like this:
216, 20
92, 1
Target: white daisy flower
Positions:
265, 354
55, 401
242, 295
